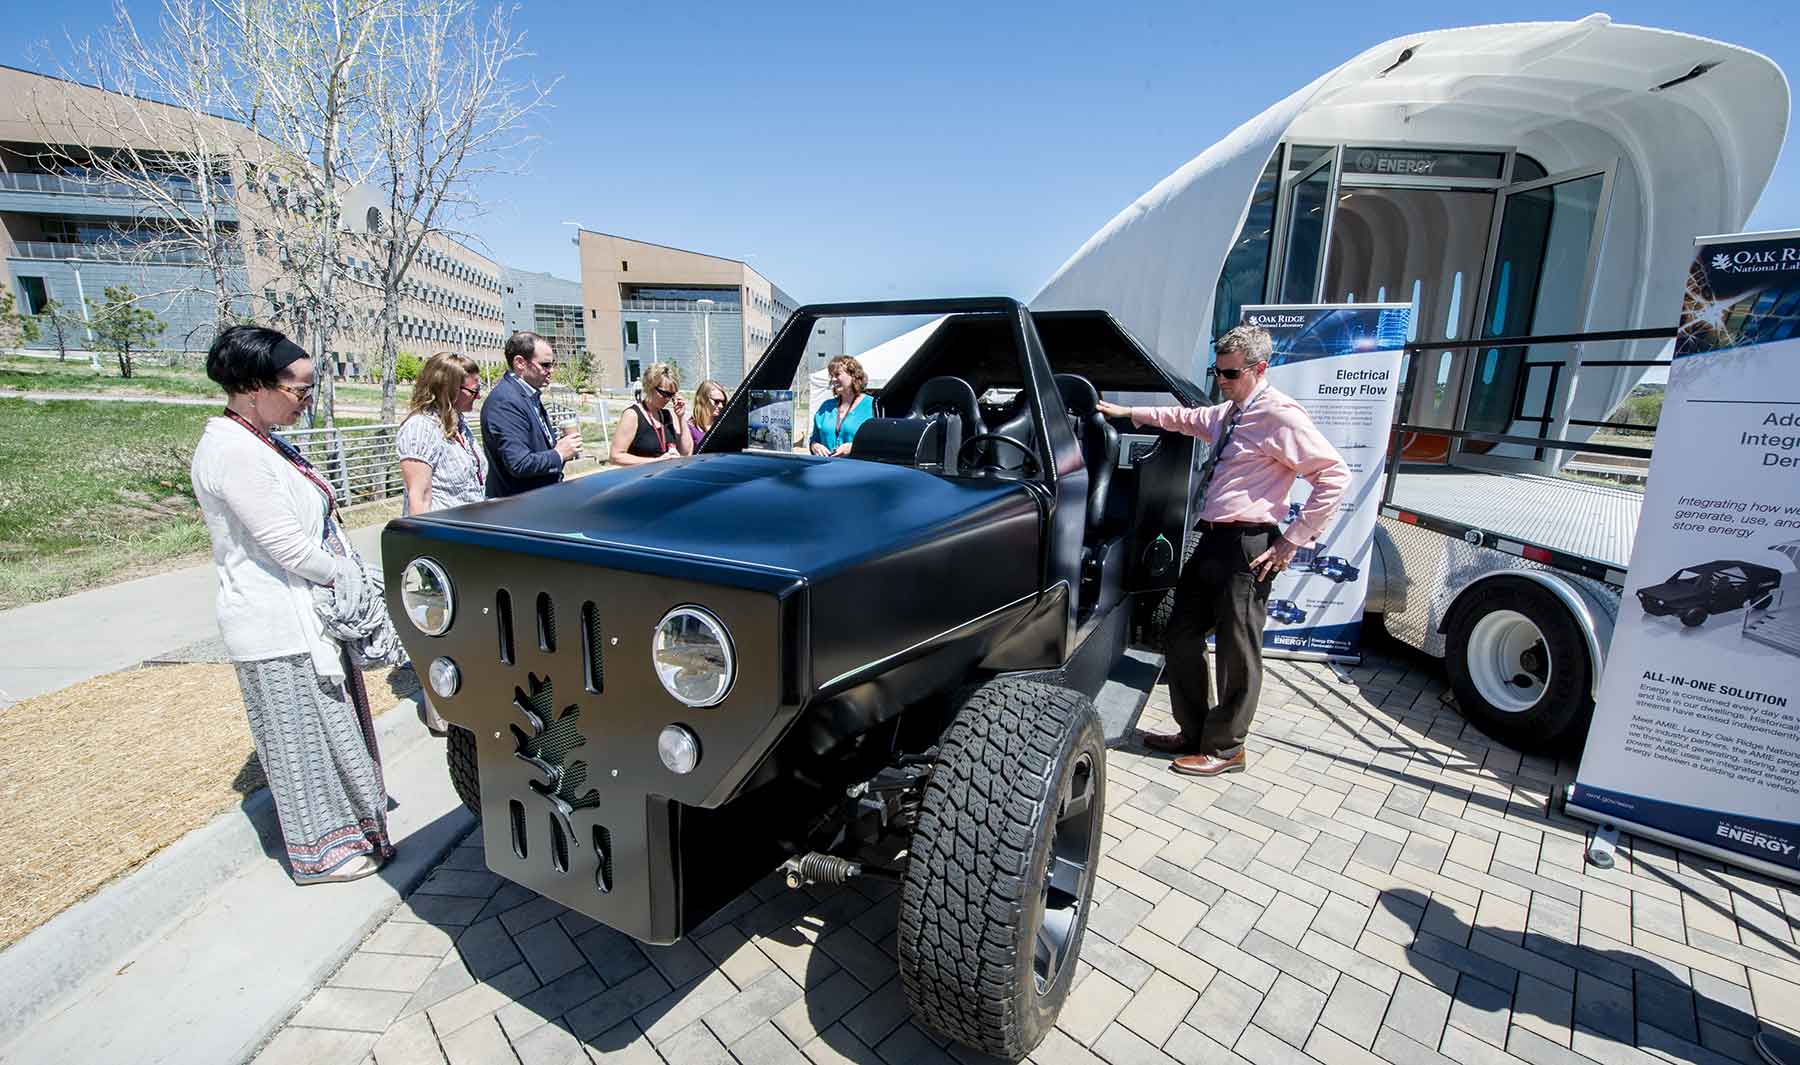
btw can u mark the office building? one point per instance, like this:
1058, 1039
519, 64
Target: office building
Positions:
710, 316
548, 306
66, 236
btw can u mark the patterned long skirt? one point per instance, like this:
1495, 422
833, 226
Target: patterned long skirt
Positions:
316, 741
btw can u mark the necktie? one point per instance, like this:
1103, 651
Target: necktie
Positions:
1211, 464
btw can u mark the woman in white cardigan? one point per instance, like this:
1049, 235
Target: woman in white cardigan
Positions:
272, 519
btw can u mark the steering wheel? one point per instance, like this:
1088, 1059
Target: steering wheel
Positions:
964, 456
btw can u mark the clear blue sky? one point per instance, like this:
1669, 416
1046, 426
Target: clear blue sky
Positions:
924, 149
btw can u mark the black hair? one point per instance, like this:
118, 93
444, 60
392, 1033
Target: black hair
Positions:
521, 345
245, 358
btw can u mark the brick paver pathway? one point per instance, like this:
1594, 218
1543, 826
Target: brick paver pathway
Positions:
1384, 885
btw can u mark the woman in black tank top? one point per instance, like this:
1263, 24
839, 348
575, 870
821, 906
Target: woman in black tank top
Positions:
655, 428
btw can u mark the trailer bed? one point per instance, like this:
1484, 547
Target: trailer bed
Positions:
1590, 521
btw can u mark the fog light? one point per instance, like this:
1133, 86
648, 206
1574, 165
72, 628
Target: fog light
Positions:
445, 678
679, 748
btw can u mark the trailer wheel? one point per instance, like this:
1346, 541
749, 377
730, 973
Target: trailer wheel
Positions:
1694, 617
1518, 663
1002, 866
1154, 623
459, 753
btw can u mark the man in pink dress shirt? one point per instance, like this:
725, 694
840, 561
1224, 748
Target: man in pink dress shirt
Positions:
1265, 441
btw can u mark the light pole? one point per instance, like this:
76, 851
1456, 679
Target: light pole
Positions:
654, 357
706, 307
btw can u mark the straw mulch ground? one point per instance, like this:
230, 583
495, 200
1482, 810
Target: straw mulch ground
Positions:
96, 778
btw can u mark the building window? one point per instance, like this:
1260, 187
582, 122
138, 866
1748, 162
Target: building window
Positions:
32, 288
631, 333
624, 266
632, 371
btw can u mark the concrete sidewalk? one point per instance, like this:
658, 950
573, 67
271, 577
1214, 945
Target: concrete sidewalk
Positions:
65, 641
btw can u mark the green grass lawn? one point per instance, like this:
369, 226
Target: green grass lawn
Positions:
76, 375
91, 492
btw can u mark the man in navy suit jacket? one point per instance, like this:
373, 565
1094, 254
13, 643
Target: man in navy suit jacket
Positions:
523, 451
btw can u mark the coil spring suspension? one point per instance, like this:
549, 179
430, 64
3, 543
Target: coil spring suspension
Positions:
816, 868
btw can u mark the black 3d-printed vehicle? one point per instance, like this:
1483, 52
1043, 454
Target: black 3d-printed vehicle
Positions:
1286, 611
672, 679
1710, 588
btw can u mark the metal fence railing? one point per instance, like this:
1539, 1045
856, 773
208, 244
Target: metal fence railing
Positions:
360, 460
114, 253
179, 188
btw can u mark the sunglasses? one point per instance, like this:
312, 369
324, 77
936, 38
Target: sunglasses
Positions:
666, 393
304, 395
1229, 375
473, 392
717, 401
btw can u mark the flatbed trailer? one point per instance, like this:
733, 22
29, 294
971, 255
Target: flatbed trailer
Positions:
1513, 578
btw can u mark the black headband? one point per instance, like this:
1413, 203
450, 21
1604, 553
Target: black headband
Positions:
286, 353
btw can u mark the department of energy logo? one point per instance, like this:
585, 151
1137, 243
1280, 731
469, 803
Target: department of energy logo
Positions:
1752, 261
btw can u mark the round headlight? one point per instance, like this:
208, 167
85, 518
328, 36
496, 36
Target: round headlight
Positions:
678, 748
425, 592
445, 678
693, 656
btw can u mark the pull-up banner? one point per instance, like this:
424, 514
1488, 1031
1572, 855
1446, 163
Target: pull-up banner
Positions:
1342, 363
1696, 734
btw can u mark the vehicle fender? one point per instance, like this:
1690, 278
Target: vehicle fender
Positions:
1596, 625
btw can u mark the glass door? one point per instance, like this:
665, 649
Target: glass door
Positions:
1541, 269
1306, 227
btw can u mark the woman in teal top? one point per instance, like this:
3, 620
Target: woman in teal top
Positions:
838, 418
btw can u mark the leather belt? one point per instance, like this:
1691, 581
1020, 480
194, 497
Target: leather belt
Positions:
1235, 526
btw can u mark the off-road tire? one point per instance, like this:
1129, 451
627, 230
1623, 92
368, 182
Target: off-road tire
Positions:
1154, 624
1567, 701
459, 754
970, 903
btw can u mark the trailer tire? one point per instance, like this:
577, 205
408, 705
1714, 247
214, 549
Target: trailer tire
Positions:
1507, 630
1694, 617
459, 755
1154, 624
1002, 866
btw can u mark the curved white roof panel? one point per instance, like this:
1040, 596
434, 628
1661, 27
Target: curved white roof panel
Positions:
1691, 158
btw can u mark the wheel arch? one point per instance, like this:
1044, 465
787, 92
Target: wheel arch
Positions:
1596, 625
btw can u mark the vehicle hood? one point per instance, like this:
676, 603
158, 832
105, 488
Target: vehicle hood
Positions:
796, 514
1670, 593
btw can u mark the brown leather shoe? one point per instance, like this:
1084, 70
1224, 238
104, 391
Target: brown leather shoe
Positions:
1165, 742
1208, 765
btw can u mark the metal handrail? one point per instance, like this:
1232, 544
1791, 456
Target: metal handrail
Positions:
361, 461
1401, 427
71, 186
116, 253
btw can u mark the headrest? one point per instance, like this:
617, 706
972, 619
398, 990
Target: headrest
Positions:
1079, 396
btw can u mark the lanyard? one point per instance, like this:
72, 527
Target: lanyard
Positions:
662, 444
462, 437
287, 451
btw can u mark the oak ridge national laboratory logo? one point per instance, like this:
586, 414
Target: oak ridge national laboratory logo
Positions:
1755, 260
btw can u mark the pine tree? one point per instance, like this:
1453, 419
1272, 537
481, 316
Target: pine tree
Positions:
122, 327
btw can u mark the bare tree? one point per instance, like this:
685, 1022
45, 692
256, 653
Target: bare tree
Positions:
446, 116
308, 63
164, 132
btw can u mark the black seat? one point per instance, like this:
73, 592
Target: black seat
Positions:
954, 398
1099, 445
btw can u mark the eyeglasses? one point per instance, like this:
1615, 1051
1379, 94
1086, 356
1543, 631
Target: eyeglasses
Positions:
473, 392
1228, 374
666, 393
304, 395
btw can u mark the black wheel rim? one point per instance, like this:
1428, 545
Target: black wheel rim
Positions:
1068, 876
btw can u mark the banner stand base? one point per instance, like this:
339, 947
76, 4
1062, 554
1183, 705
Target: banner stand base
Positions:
1313, 656
1686, 843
